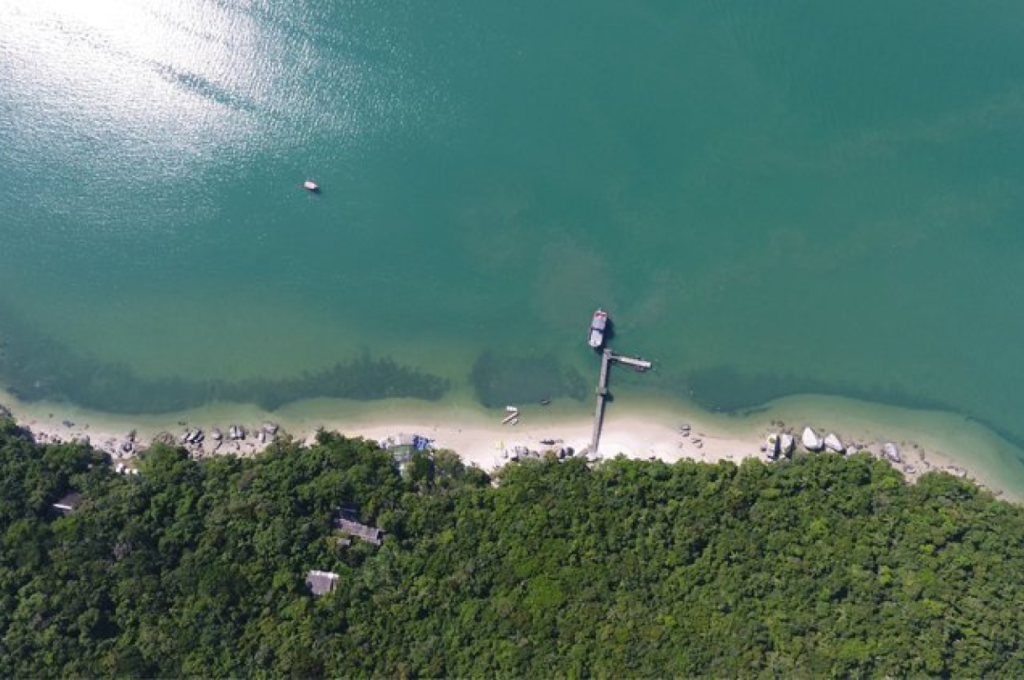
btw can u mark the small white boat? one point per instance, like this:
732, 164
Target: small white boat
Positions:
310, 185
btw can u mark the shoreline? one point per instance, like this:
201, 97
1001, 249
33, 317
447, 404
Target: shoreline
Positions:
926, 441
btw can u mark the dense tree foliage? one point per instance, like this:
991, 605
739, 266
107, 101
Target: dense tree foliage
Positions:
818, 566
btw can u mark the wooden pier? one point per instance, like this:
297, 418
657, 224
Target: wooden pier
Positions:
639, 364
602, 392
607, 357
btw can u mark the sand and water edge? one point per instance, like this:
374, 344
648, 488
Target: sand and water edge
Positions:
664, 429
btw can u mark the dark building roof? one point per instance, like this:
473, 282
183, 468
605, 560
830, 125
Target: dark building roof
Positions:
353, 528
68, 502
321, 582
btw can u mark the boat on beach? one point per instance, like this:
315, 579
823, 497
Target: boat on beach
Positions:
598, 324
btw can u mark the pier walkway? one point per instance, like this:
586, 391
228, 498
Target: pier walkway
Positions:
607, 357
602, 392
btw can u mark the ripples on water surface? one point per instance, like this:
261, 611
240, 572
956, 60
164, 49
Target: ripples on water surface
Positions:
769, 197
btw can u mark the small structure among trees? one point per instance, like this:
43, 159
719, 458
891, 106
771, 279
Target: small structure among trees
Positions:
67, 503
321, 582
347, 523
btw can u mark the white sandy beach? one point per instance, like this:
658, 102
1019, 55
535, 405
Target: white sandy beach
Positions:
927, 441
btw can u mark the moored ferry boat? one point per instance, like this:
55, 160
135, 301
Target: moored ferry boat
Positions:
597, 328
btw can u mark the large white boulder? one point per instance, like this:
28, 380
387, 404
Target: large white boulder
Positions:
891, 452
832, 443
786, 444
811, 440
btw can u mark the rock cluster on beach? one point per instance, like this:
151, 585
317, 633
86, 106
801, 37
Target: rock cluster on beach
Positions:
686, 432
554, 447
236, 438
783, 444
779, 445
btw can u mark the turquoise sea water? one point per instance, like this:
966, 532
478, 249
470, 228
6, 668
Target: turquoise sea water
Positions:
769, 198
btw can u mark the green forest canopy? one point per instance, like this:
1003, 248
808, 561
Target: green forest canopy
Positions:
821, 565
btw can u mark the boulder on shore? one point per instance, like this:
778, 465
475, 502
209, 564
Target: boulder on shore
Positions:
832, 443
891, 452
786, 444
811, 440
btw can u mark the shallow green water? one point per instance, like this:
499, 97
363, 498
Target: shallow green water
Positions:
770, 198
